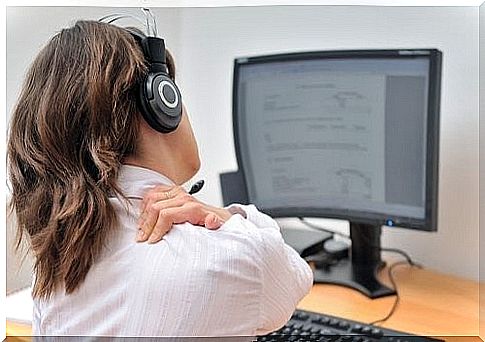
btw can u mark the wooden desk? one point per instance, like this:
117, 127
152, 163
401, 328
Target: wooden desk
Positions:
431, 304
18, 332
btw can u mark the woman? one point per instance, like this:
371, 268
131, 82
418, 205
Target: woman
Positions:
92, 181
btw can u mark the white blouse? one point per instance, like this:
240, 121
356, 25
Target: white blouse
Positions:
241, 279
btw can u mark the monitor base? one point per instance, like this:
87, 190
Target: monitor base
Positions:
359, 271
359, 277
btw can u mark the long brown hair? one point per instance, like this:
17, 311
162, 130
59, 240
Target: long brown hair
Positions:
75, 120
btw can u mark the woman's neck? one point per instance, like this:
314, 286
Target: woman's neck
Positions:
154, 165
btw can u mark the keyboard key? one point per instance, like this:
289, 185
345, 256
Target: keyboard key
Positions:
357, 328
343, 325
377, 332
326, 331
301, 316
307, 327
304, 316
315, 330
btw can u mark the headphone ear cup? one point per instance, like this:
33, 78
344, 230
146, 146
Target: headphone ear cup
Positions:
160, 102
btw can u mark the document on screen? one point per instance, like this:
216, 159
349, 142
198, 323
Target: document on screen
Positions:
334, 119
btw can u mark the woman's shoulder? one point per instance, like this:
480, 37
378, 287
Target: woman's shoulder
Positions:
237, 240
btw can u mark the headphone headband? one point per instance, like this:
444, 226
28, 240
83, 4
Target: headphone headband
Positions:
159, 98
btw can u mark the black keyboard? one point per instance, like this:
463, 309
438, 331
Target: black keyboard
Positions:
310, 326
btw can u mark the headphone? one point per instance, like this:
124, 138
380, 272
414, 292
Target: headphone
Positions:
159, 99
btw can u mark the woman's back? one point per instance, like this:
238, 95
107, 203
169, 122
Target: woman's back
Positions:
238, 280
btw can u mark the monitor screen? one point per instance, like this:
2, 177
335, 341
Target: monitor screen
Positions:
344, 134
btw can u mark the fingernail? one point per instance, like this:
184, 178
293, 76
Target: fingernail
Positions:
140, 236
152, 240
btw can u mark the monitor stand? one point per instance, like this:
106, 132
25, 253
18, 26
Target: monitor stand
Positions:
360, 271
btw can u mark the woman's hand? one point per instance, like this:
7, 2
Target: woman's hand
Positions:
164, 206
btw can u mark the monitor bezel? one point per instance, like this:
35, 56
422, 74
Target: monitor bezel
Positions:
430, 222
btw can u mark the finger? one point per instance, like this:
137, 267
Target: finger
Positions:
173, 189
161, 192
149, 218
212, 221
170, 216
155, 196
177, 201
165, 204
147, 223
156, 189
162, 227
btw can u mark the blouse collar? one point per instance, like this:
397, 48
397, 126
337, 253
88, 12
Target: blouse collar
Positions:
135, 181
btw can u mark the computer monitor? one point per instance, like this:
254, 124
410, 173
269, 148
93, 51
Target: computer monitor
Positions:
351, 135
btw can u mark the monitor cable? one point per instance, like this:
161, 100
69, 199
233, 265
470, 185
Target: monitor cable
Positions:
408, 261
394, 287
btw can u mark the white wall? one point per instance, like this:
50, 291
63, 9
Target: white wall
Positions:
206, 40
